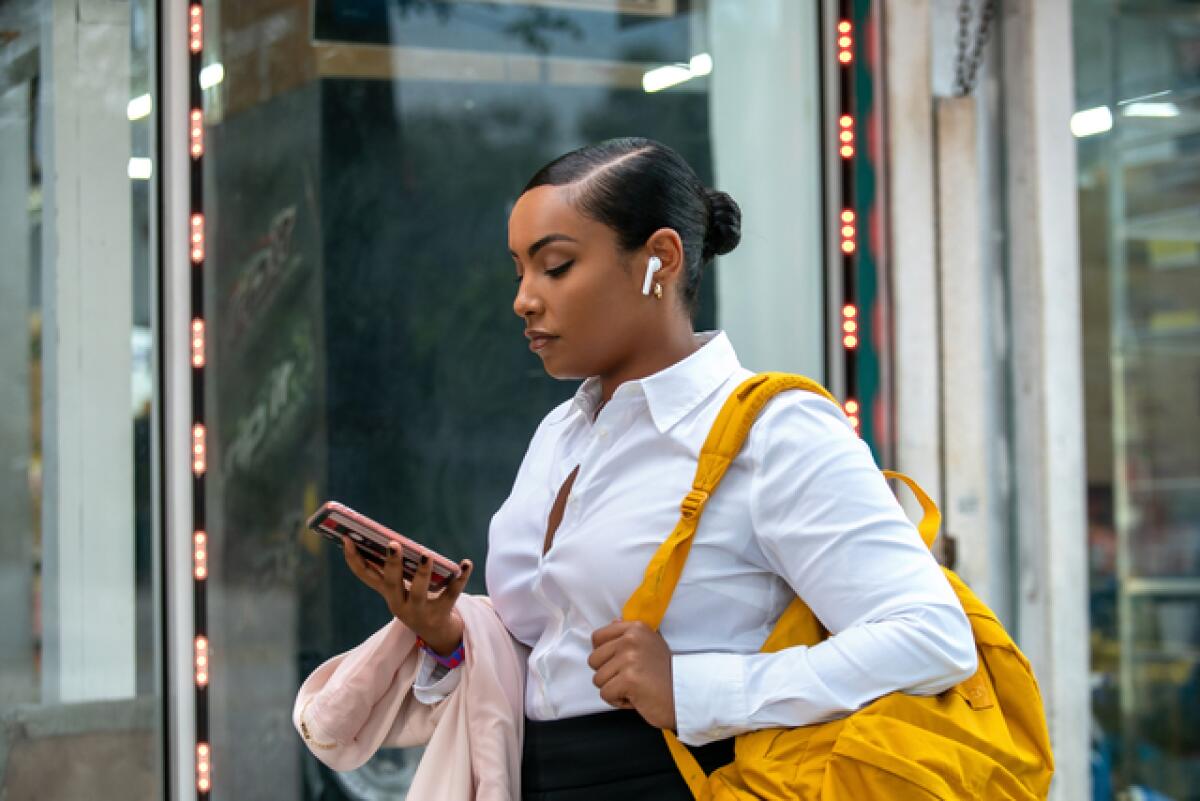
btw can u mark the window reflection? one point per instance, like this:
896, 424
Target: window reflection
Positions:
362, 343
1140, 204
80, 694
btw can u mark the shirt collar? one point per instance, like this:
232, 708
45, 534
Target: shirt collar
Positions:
676, 390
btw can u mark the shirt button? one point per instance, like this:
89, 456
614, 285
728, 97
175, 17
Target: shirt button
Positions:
602, 433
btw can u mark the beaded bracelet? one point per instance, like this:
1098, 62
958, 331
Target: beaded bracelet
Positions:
449, 662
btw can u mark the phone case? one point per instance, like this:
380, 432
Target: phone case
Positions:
335, 521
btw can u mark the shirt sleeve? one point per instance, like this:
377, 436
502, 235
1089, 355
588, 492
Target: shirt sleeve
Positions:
434, 681
828, 523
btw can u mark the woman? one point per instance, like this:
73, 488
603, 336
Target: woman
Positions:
609, 243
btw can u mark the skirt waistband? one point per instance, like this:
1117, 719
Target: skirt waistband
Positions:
603, 748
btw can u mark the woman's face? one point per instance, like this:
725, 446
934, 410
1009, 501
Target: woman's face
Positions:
574, 286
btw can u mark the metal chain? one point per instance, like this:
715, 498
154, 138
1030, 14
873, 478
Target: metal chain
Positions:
971, 56
964, 32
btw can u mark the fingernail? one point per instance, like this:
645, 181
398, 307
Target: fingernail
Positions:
424, 560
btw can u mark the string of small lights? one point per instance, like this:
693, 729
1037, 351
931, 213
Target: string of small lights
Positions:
847, 219
197, 332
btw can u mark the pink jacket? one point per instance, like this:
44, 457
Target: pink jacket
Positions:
361, 700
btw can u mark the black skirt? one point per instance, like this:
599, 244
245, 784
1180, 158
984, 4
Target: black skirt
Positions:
610, 755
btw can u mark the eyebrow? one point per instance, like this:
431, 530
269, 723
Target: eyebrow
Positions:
546, 240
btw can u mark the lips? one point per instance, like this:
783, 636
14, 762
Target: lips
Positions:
538, 342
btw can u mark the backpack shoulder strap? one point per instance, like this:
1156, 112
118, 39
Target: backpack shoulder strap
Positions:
931, 518
725, 440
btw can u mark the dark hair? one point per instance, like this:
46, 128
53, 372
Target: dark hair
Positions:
636, 186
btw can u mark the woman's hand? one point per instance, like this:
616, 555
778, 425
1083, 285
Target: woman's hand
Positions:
431, 617
633, 671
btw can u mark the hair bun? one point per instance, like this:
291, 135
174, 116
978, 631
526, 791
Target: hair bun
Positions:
724, 229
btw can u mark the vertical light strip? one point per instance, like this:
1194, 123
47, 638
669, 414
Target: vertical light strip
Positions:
849, 234
197, 335
203, 768
195, 28
196, 237
851, 407
201, 661
850, 326
200, 556
198, 343
845, 42
196, 133
199, 450
846, 136
847, 223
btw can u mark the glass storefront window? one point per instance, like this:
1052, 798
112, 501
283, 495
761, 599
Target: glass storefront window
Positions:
1138, 68
80, 667
361, 159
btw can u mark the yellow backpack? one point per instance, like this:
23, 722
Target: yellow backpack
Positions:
984, 738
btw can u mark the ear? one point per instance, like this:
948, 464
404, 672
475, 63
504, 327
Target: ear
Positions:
666, 244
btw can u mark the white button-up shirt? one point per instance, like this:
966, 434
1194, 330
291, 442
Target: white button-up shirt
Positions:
803, 510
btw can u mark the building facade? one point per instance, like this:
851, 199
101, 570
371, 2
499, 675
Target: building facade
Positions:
255, 259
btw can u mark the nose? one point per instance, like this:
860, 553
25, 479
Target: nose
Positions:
526, 304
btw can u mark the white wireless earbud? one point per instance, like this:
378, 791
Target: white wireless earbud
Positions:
652, 266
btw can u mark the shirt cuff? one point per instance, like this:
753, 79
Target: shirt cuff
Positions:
434, 681
710, 697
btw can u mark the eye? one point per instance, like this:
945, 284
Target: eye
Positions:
555, 272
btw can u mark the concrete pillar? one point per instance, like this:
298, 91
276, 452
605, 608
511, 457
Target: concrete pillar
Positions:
908, 98
88, 516
1047, 396
973, 367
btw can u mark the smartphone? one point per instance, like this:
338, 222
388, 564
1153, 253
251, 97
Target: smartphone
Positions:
335, 522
